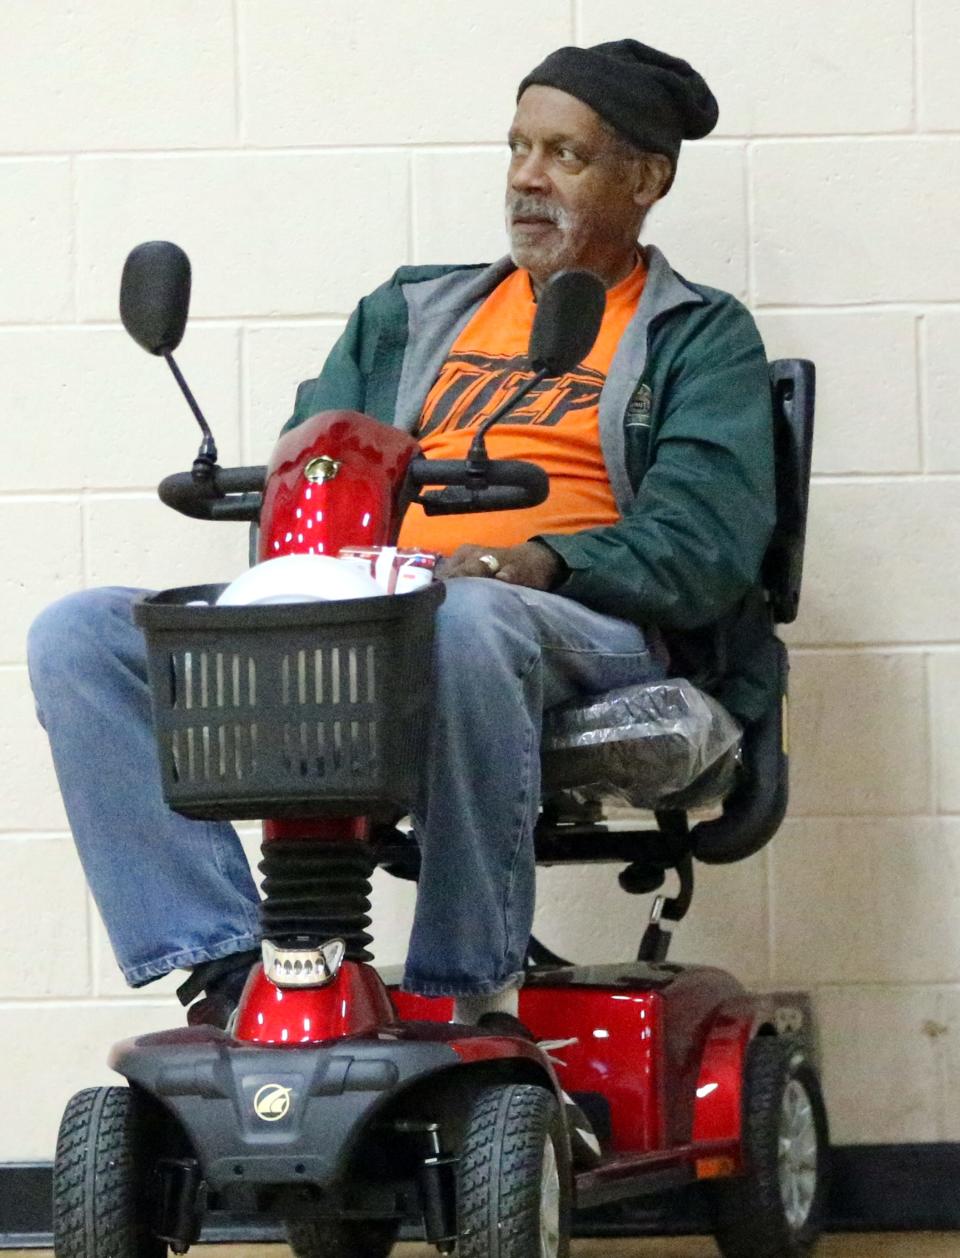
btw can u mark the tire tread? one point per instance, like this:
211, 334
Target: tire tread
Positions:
749, 1219
96, 1210
500, 1161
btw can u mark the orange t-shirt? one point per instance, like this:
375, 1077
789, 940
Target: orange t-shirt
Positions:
556, 425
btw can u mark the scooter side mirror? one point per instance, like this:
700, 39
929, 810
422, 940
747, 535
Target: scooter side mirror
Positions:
569, 313
155, 295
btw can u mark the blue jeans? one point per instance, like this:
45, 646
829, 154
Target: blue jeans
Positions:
174, 892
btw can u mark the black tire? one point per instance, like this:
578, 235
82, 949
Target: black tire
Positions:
342, 1238
515, 1137
776, 1209
103, 1162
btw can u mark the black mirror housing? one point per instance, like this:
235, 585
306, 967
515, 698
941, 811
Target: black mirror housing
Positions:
155, 295
569, 313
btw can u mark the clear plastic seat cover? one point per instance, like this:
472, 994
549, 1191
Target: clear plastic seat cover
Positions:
655, 745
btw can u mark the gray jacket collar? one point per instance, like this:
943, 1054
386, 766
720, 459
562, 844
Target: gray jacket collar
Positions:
438, 309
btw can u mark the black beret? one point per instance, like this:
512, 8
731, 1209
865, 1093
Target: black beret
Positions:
654, 100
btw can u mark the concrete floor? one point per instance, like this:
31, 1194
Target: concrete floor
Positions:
873, 1245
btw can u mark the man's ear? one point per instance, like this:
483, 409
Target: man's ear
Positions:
654, 176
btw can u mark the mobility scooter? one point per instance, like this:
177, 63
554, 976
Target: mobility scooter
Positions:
345, 1110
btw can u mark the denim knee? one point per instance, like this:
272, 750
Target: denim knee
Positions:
478, 616
70, 637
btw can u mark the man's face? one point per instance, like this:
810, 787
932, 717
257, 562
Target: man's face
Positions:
572, 199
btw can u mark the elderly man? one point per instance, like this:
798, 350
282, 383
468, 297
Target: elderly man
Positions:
659, 451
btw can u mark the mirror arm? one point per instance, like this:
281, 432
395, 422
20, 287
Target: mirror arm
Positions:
477, 458
206, 461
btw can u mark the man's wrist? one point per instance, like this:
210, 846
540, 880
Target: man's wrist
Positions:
560, 570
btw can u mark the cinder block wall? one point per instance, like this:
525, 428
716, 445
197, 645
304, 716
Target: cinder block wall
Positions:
300, 151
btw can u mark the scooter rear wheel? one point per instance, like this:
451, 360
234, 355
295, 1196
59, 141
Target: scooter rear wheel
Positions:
776, 1209
342, 1238
103, 1160
514, 1176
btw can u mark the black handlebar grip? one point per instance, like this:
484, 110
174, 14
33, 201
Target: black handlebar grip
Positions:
231, 493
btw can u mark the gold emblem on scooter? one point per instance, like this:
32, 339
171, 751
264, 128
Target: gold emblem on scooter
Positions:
272, 1102
321, 469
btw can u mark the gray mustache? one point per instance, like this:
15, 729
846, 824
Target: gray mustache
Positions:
534, 207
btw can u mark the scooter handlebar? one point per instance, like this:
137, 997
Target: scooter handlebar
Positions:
236, 493
228, 493
496, 485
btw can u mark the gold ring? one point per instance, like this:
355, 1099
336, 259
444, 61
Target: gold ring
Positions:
491, 563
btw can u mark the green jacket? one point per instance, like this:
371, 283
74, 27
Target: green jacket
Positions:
687, 437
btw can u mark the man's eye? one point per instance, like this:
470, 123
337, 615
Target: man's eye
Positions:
517, 147
566, 154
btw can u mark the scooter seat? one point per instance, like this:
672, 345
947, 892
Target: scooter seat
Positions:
661, 745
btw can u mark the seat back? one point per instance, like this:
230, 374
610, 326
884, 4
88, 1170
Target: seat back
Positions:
753, 812
793, 383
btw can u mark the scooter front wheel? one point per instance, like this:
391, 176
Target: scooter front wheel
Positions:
100, 1175
514, 1186
342, 1238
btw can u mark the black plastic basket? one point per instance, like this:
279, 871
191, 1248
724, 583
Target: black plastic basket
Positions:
289, 710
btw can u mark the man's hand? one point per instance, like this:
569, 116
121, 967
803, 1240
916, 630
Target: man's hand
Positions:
531, 564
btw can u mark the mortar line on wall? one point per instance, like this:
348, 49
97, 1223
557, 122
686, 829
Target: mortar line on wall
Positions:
860, 307
907, 135
87, 1002
75, 493
305, 150
885, 478
326, 319
30, 497
350, 149
41, 836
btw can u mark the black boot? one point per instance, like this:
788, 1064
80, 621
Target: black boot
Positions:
222, 981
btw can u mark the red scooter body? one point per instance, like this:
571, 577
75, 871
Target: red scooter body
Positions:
334, 481
663, 1046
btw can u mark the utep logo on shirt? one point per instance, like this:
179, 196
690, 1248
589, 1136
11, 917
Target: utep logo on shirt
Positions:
471, 386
